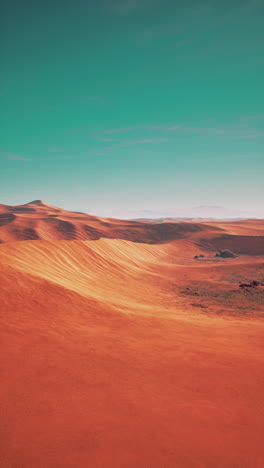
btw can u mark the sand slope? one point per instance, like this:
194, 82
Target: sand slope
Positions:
108, 359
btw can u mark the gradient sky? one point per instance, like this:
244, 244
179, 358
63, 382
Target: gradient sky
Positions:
121, 106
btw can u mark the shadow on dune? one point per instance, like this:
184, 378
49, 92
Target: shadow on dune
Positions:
240, 245
22, 209
6, 218
66, 228
26, 234
157, 233
91, 232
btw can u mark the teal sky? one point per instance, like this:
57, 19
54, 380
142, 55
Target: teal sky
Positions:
119, 106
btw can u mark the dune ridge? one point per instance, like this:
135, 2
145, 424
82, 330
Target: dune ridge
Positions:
38, 220
42, 221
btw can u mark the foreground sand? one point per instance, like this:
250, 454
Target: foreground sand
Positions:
123, 354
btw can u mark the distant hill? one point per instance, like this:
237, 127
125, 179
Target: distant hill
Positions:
186, 220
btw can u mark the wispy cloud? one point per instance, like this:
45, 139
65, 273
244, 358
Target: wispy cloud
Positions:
134, 127
124, 129
17, 157
233, 131
242, 129
145, 142
14, 157
53, 158
185, 129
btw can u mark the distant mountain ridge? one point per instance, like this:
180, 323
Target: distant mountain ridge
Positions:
199, 213
187, 220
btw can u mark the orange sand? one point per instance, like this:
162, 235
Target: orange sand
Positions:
106, 361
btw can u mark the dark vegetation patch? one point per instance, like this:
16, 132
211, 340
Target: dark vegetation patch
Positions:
239, 301
252, 284
222, 254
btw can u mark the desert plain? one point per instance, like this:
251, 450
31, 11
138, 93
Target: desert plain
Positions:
119, 349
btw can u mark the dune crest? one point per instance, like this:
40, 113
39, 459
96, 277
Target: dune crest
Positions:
40, 221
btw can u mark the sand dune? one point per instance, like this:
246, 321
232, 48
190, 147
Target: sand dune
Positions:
119, 349
38, 220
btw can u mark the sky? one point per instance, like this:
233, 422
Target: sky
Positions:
117, 107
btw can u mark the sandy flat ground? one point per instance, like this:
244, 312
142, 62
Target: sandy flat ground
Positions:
119, 349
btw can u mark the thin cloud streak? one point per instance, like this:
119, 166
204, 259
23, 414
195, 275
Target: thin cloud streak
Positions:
18, 157
144, 142
241, 130
14, 157
135, 127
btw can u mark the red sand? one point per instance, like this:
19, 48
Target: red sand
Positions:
107, 360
